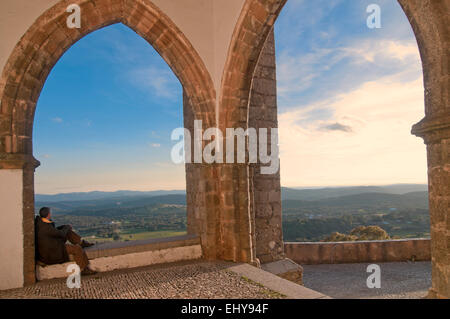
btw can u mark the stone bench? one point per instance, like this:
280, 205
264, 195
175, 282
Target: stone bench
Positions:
131, 254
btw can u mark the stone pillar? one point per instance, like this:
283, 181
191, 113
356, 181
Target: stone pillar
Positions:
202, 198
11, 232
436, 133
236, 228
17, 221
218, 203
266, 201
429, 20
192, 182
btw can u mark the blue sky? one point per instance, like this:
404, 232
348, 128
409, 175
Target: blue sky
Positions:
316, 37
347, 97
105, 115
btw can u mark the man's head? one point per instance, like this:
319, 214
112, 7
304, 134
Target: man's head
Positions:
45, 212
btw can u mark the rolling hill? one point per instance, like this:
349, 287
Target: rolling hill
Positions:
365, 200
97, 195
308, 214
331, 192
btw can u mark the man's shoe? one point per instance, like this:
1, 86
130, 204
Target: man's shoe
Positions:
85, 244
88, 271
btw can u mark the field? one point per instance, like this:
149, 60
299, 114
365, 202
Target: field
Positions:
137, 236
308, 215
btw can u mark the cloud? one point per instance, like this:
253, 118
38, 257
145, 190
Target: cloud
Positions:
305, 76
379, 150
340, 90
57, 120
155, 145
160, 82
382, 50
337, 127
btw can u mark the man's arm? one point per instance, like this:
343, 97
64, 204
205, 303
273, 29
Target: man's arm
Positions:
64, 226
59, 232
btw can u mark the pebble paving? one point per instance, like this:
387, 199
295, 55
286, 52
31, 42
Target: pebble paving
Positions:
194, 280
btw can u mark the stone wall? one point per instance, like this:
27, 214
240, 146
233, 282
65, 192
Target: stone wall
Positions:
359, 251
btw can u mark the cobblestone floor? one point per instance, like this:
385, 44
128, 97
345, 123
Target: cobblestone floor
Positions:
191, 280
399, 280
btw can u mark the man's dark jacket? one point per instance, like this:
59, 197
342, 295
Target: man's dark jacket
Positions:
50, 242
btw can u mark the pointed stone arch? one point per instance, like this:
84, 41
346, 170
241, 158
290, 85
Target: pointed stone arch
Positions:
248, 43
430, 20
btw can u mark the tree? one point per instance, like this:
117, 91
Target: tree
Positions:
370, 233
336, 236
359, 234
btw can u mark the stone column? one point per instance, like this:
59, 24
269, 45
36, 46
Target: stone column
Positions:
429, 20
266, 201
436, 133
192, 182
202, 198
17, 220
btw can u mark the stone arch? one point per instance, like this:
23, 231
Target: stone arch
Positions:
248, 41
48, 38
252, 29
41, 47
430, 21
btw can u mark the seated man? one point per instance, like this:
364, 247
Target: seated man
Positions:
51, 247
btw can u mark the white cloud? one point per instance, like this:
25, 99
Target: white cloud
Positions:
155, 145
378, 149
371, 51
335, 68
57, 120
161, 82
297, 73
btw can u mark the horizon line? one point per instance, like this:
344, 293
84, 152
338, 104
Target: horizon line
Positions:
184, 190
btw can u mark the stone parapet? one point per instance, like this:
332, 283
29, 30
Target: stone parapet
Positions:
359, 251
124, 255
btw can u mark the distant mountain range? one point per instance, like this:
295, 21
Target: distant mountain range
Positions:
395, 196
364, 200
287, 193
125, 202
96, 195
332, 192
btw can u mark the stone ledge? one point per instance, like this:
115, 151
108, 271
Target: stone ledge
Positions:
433, 128
124, 255
312, 253
126, 247
287, 288
286, 269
